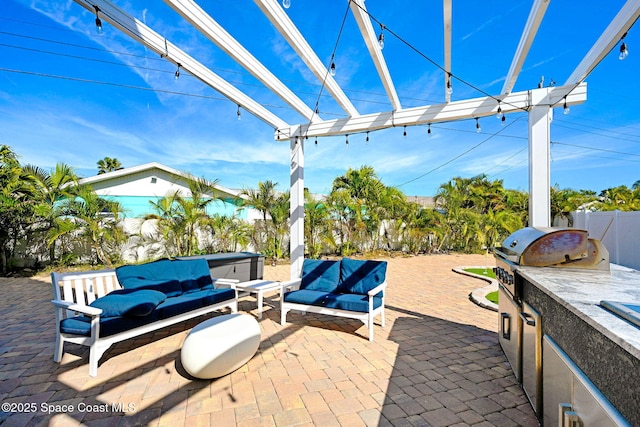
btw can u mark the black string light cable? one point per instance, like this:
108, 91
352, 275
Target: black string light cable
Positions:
490, 137
331, 69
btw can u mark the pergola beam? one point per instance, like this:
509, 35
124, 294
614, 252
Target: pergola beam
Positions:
366, 28
154, 41
446, 9
290, 32
618, 27
458, 110
538, 10
194, 14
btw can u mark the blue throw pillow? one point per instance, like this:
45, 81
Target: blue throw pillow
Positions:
129, 302
359, 277
318, 275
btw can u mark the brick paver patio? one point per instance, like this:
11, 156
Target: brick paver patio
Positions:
436, 363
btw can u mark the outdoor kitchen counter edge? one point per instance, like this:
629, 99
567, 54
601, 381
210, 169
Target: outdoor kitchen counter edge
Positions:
581, 291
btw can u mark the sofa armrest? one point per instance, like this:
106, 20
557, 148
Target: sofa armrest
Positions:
225, 283
290, 285
381, 287
84, 309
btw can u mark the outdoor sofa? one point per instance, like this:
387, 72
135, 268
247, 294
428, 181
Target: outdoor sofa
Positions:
346, 288
101, 308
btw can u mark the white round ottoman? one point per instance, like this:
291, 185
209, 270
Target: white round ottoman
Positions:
219, 346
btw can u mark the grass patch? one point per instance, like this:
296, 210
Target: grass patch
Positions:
493, 297
482, 272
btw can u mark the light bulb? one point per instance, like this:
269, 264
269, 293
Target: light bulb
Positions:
332, 69
286, 4
504, 118
381, 40
449, 86
566, 108
98, 21
499, 115
429, 130
624, 52
239, 114
478, 128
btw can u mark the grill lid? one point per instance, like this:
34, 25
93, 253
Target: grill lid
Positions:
545, 246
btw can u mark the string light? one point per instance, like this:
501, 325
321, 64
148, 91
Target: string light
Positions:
499, 115
381, 37
332, 69
478, 128
98, 21
429, 129
449, 85
405, 131
316, 140
346, 141
286, 4
177, 73
624, 52
566, 108
239, 113
367, 139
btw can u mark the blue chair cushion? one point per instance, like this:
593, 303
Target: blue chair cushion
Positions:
81, 325
318, 275
129, 302
351, 302
359, 277
307, 297
158, 275
193, 274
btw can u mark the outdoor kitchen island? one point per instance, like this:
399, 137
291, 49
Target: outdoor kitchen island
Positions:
579, 338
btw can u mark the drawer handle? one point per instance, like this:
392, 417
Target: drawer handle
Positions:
506, 326
528, 319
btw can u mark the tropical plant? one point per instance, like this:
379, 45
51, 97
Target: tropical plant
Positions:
108, 164
318, 233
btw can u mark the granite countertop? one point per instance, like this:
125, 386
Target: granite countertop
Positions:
581, 291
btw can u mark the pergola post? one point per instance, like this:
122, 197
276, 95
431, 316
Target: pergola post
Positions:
540, 115
296, 206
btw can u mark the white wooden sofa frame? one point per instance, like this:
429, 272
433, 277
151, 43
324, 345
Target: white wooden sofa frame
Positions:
73, 292
366, 318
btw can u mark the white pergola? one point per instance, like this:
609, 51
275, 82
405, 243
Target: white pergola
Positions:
538, 102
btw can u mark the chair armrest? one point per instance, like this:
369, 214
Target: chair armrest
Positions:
290, 285
84, 309
381, 287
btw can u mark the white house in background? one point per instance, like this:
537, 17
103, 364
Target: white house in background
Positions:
137, 186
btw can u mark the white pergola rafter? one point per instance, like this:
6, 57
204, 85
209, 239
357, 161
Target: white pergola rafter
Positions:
278, 17
538, 10
371, 40
620, 24
446, 10
194, 14
154, 41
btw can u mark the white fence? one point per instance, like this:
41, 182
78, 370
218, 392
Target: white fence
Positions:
618, 231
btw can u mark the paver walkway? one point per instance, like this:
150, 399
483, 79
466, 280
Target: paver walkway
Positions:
436, 363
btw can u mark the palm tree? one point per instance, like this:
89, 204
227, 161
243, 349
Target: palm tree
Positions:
317, 226
264, 199
108, 164
52, 187
94, 220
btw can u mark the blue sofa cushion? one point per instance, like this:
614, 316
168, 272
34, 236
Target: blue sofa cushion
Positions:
129, 302
351, 302
158, 275
359, 277
214, 296
193, 274
81, 325
307, 297
318, 275
181, 304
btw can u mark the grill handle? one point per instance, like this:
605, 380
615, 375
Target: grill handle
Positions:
505, 325
528, 319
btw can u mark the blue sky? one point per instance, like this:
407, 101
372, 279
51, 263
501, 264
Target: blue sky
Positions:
68, 94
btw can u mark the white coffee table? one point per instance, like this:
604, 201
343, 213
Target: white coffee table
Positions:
258, 287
